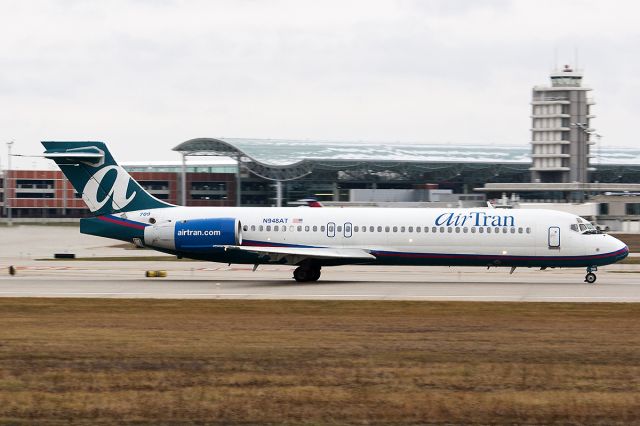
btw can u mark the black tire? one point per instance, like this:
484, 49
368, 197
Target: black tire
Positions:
315, 274
590, 278
301, 274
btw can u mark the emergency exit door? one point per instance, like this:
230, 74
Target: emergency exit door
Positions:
554, 237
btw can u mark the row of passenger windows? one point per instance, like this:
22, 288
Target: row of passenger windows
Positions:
363, 229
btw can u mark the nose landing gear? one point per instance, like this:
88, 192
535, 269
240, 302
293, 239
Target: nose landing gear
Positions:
590, 277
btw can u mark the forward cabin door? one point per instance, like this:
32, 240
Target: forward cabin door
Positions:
554, 237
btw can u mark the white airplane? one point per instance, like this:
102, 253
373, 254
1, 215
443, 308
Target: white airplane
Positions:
311, 238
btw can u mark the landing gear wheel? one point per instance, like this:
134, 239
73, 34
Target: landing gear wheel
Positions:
305, 274
590, 278
315, 274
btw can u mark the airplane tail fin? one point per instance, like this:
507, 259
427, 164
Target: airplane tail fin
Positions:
104, 185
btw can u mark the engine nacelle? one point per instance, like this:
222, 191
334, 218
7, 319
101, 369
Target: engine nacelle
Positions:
194, 235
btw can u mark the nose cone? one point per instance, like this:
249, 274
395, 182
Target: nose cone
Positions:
621, 250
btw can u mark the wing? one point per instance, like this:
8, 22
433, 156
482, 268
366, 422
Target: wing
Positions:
294, 255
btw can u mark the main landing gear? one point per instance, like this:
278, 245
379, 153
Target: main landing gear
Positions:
306, 273
590, 277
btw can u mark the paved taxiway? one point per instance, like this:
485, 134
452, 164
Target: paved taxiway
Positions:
92, 278
195, 280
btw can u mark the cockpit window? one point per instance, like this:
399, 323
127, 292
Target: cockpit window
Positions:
585, 228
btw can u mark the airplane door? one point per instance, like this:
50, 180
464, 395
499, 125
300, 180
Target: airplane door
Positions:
348, 229
554, 237
331, 229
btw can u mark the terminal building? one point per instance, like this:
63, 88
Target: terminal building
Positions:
563, 163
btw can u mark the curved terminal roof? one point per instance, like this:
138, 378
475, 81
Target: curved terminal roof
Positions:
281, 159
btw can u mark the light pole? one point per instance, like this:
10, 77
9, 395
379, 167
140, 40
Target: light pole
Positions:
7, 202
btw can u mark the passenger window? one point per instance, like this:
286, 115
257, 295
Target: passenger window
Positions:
434, 229
253, 227
284, 228
260, 228
339, 229
364, 229
245, 228
442, 229
488, 230
395, 229
355, 229
473, 230
268, 228
457, 229
371, 229
417, 229
465, 230
520, 230
315, 228
528, 230
322, 228
480, 230
411, 229
505, 230
379, 228
291, 228
306, 228
299, 228
497, 230
387, 228
449, 229
276, 228
402, 229
513, 230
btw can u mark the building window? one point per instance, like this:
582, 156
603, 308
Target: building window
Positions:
604, 208
633, 209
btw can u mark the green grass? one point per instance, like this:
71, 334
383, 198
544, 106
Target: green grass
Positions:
317, 362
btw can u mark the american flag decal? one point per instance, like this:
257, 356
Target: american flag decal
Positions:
297, 220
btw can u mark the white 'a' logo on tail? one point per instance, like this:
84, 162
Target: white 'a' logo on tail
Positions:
117, 194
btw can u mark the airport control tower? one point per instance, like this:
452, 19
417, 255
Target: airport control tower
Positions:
560, 133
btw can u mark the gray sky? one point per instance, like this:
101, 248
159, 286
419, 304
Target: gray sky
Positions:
144, 76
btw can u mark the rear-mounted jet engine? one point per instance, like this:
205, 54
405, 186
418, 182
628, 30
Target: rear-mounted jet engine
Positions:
194, 235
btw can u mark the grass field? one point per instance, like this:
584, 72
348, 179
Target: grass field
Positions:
315, 362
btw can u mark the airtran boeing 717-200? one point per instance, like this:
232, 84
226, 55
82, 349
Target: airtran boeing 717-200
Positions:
311, 238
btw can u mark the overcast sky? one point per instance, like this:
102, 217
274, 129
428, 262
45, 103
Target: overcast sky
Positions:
146, 75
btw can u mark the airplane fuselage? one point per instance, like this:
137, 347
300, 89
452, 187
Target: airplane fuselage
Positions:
473, 237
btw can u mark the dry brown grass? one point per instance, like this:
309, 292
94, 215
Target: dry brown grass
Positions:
256, 362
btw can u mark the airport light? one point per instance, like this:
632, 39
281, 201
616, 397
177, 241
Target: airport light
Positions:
7, 185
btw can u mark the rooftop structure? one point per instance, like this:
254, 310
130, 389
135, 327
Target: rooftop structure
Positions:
561, 132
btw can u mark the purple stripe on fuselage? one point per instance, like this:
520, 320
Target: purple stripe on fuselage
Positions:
122, 222
384, 253
489, 256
